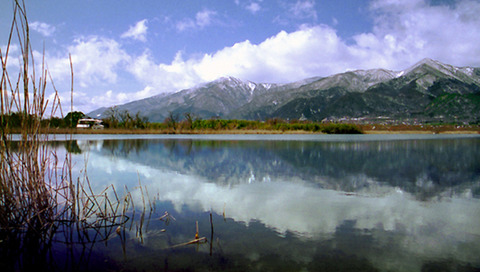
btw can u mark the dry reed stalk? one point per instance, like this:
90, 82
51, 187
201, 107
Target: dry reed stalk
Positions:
25, 201
39, 196
195, 241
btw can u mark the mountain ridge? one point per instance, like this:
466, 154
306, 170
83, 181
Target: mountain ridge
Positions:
427, 91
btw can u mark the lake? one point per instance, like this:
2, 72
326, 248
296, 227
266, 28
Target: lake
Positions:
285, 202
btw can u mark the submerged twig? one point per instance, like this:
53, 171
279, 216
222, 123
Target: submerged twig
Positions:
201, 240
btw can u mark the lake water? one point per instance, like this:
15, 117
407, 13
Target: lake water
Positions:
290, 202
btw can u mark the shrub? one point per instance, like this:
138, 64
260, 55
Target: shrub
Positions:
341, 129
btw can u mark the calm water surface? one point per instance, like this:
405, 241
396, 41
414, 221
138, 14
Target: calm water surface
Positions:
292, 202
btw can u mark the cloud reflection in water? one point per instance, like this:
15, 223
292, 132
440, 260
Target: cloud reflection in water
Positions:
444, 224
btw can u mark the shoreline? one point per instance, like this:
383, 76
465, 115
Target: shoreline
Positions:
422, 132
475, 130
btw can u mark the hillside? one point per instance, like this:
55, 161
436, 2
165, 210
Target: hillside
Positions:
429, 91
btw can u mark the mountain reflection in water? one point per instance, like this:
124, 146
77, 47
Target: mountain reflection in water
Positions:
398, 205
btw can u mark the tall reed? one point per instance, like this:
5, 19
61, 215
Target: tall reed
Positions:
25, 195
39, 195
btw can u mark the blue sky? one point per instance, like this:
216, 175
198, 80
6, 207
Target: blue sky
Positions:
128, 50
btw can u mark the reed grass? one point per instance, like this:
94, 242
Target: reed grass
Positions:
41, 200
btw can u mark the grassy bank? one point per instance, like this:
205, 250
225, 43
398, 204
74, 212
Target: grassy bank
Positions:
215, 127
365, 129
421, 129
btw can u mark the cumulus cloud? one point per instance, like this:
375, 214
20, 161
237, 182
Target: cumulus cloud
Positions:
86, 101
281, 58
42, 28
97, 63
96, 60
413, 29
13, 50
403, 33
137, 32
277, 59
285, 57
177, 75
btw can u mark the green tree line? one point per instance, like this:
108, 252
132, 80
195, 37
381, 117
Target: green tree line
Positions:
189, 122
277, 125
116, 119
15, 120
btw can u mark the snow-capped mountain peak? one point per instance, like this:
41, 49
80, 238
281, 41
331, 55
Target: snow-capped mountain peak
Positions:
354, 93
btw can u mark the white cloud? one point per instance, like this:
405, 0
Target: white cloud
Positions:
171, 77
107, 98
86, 101
96, 61
202, 19
401, 35
253, 7
303, 9
295, 12
185, 24
138, 31
334, 21
406, 31
42, 28
13, 55
282, 58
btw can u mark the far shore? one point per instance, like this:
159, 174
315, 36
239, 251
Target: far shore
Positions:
366, 130
421, 132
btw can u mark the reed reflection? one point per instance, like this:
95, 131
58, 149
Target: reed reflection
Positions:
366, 203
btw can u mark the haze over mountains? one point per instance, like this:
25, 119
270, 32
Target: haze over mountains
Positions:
429, 91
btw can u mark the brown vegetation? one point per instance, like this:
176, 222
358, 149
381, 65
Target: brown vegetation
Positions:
40, 197
367, 129
420, 129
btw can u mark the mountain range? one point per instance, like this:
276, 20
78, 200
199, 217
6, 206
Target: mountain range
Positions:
429, 91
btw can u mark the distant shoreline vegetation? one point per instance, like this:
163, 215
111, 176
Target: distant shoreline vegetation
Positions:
269, 125
188, 125
128, 124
